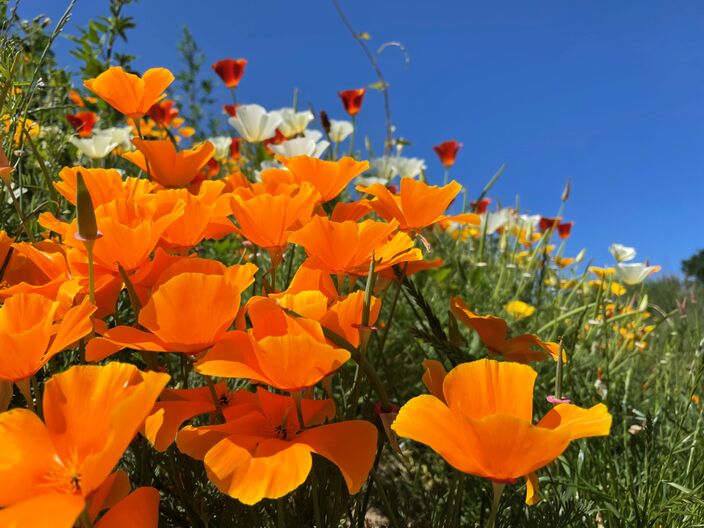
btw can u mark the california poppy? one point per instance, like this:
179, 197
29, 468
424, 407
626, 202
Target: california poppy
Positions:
418, 205
104, 185
481, 206
348, 247
447, 152
564, 229
166, 165
176, 320
328, 177
479, 418
128, 93
31, 333
352, 100
163, 112
230, 71
493, 333
50, 469
284, 214
83, 122
265, 452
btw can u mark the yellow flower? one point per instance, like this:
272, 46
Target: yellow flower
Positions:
519, 309
602, 272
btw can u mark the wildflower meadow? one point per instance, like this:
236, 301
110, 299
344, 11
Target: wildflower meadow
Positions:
260, 317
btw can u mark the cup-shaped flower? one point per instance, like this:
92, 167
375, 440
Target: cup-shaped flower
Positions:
95, 147
83, 122
328, 177
294, 123
230, 71
191, 307
481, 422
254, 124
493, 332
222, 146
301, 146
32, 332
352, 100
264, 452
340, 130
418, 205
167, 166
622, 253
447, 152
348, 247
104, 185
128, 93
91, 414
163, 112
633, 273
283, 213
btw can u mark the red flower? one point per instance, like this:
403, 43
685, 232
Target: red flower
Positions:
83, 122
481, 206
547, 223
230, 71
235, 148
447, 152
565, 229
352, 100
230, 110
163, 112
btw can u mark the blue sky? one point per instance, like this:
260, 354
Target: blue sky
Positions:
608, 93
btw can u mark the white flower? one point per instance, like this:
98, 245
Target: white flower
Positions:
384, 168
292, 122
408, 167
96, 147
254, 123
222, 146
120, 135
622, 253
494, 221
300, 147
527, 222
340, 130
632, 273
369, 180
315, 135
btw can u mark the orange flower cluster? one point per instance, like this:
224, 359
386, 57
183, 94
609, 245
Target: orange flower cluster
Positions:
276, 332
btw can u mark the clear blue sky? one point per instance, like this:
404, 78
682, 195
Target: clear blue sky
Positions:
608, 93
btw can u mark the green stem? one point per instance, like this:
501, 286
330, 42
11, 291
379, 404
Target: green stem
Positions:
216, 401
498, 489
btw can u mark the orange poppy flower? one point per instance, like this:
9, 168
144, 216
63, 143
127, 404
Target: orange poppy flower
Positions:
480, 420
166, 165
264, 452
493, 333
352, 100
163, 112
284, 214
328, 177
447, 152
31, 333
130, 231
128, 93
354, 211
230, 71
176, 320
175, 406
418, 205
83, 122
104, 185
48, 470
347, 247
205, 215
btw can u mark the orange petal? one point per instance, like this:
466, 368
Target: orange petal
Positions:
63, 510
579, 422
350, 445
113, 489
433, 378
140, 509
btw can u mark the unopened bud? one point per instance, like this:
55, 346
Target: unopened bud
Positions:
566, 191
87, 225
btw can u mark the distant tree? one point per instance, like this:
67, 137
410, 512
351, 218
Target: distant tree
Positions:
694, 266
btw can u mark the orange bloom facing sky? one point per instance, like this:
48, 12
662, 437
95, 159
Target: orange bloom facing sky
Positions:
169, 167
128, 93
418, 205
190, 309
263, 452
347, 247
91, 414
480, 420
328, 177
493, 332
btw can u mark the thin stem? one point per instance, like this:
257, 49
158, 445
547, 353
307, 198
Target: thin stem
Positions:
91, 271
216, 401
498, 489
